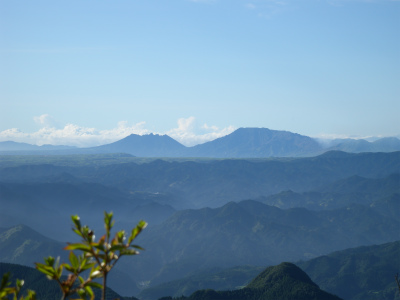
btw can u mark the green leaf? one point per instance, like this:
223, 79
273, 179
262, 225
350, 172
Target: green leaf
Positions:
74, 260
49, 261
70, 268
77, 232
135, 231
138, 247
47, 270
95, 285
78, 246
5, 281
129, 252
117, 248
76, 221
89, 292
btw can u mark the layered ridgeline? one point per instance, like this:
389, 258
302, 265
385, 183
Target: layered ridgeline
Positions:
242, 143
376, 192
189, 184
252, 233
352, 274
245, 233
359, 207
283, 282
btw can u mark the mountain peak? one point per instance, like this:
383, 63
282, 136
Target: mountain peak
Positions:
288, 281
259, 142
282, 272
148, 145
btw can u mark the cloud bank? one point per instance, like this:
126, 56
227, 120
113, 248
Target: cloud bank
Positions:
188, 134
52, 133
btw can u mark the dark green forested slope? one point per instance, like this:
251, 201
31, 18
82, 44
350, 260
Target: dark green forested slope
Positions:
283, 282
228, 279
358, 274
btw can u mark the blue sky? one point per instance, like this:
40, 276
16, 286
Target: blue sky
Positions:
90, 72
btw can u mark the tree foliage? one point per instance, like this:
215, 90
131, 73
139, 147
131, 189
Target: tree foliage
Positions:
88, 259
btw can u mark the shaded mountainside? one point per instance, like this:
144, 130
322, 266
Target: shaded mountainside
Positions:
355, 189
282, 282
359, 273
22, 245
192, 240
56, 201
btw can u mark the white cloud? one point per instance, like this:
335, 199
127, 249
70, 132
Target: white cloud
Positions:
71, 134
45, 120
75, 135
333, 136
186, 133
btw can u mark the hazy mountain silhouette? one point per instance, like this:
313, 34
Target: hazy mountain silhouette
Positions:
150, 145
258, 142
387, 144
15, 146
242, 143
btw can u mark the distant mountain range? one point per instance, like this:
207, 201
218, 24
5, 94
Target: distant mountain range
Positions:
188, 184
10, 146
197, 220
242, 143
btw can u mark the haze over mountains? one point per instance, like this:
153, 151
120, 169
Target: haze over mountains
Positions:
199, 210
242, 143
252, 199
